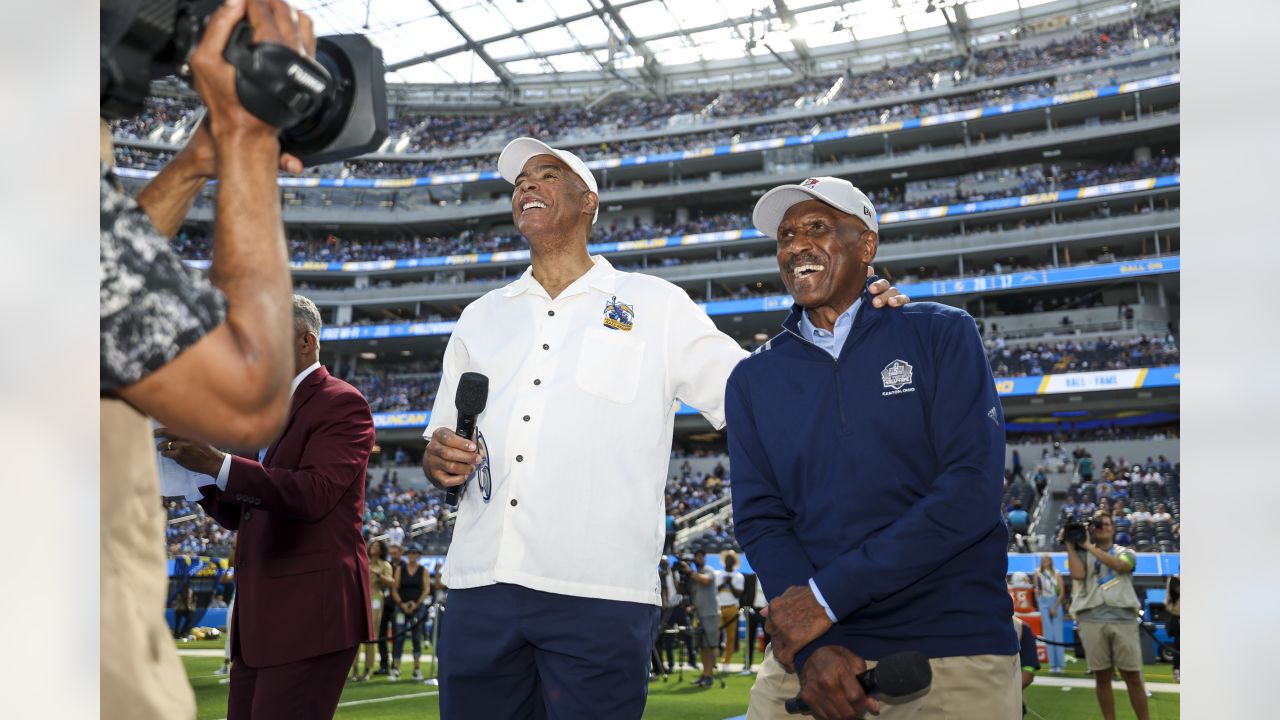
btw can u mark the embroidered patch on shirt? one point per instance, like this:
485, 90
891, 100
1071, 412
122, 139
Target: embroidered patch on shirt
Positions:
619, 316
896, 376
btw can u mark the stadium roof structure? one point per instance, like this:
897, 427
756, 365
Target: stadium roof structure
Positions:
512, 46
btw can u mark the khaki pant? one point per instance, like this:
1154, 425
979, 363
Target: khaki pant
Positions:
974, 687
729, 621
141, 675
1108, 645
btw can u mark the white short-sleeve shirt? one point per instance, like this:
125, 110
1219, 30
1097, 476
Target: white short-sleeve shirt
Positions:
725, 580
582, 397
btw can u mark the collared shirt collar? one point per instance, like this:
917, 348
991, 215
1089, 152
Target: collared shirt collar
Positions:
600, 276
297, 380
831, 341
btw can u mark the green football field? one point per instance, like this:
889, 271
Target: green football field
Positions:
670, 700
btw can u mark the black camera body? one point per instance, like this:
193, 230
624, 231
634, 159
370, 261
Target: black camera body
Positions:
1074, 533
331, 108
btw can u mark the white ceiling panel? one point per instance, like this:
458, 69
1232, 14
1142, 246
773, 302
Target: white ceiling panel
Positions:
409, 29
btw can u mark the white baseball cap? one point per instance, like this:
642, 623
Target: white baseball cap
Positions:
839, 194
517, 153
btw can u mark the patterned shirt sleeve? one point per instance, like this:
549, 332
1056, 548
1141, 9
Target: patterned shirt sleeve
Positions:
151, 305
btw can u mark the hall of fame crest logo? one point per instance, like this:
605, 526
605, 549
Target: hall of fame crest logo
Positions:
896, 376
619, 316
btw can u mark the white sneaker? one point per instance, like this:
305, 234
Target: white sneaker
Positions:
222, 670
393, 675
417, 673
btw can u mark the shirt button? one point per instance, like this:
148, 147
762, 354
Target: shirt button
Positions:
526, 418
546, 346
537, 381
519, 458
247, 514
552, 313
514, 502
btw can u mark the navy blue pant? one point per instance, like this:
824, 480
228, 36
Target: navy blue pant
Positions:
510, 652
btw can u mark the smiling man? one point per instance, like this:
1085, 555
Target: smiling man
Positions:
553, 595
867, 450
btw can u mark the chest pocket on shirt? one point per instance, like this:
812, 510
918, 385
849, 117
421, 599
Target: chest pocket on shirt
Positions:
609, 364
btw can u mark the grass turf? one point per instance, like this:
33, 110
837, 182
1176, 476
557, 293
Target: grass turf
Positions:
671, 700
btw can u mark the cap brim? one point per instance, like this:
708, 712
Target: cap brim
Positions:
517, 153
773, 206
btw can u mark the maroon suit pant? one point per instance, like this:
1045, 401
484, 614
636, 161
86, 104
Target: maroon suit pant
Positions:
306, 690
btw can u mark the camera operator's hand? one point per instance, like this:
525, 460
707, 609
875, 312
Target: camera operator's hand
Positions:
449, 458
215, 78
200, 157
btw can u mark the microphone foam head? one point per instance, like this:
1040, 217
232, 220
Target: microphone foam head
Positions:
473, 393
903, 673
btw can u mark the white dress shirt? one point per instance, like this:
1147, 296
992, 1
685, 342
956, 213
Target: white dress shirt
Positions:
578, 425
225, 471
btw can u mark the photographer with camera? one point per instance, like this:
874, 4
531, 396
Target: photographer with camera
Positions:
729, 587
1106, 609
209, 358
702, 581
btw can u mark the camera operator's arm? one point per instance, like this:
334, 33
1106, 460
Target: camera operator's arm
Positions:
168, 197
232, 386
1123, 562
1075, 563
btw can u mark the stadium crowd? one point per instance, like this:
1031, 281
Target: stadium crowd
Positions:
195, 243
1069, 356
401, 513
426, 133
1143, 499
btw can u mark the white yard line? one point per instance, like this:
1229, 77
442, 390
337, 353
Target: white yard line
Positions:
370, 701
389, 698
1155, 687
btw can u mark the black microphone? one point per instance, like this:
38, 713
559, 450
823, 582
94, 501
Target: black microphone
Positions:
472, 396
898, 675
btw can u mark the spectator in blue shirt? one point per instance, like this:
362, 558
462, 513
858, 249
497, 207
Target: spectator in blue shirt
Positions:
1018, 518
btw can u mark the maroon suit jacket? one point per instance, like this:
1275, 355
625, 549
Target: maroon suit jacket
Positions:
302, 570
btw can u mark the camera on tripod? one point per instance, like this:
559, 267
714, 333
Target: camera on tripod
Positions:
330, 108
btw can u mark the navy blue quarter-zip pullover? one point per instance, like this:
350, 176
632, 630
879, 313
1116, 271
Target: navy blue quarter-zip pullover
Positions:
878, 475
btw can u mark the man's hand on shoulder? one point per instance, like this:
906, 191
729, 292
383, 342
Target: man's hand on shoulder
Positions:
794, 619
829, 684
883, 294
